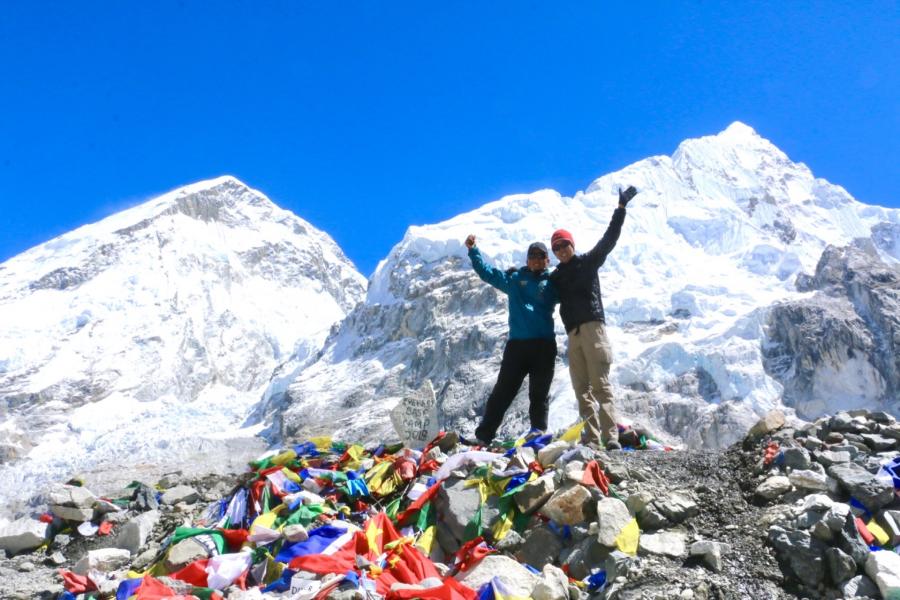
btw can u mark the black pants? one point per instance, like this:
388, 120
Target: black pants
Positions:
535, 358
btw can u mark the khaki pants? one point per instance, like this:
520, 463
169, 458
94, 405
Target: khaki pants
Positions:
589, 358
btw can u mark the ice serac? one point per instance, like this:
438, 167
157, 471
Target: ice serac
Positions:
719, 234
145, 339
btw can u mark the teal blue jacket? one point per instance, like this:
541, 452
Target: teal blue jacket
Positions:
532, 298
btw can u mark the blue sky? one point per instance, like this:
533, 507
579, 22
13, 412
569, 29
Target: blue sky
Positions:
367, 117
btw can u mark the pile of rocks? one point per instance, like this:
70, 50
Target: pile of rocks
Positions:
833, 513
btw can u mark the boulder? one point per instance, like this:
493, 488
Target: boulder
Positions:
677, 507
772, 421
534, 493
514, 576
134, 534
801, 553
773, 487
551, 452
553, 585
883, 567
712, 553
72, 513
871, 491
104, 559
23, 534
180, 493
841, 565
568, 505
664, 543
187, 551
541, 547
71, 495
612, 517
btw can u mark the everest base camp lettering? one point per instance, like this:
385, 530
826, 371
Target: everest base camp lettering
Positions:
415, 417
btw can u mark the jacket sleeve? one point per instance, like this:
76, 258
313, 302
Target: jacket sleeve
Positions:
495, 277
597, 255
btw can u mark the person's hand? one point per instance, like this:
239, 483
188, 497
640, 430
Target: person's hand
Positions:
626, 196
470, 241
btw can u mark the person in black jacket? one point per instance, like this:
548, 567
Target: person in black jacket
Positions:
581, 309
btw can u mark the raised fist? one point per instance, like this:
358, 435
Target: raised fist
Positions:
470, 241
627, 195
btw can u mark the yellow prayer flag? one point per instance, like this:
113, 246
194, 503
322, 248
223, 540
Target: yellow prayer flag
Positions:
573, 434
627, 540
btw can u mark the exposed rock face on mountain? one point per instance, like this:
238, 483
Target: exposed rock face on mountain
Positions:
153, 332
718, 233
841, 345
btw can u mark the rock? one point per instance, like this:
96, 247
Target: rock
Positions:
56, 559
535, 493
26, 567
515, 577
773, 487
651, 517
712, 553
801, 553
60, 540
144, 498
796, 458
72, 513
836, 516
832, 457
612, 516
677, 507
849, 540
23, 534
134, 534
808, 480
541, 547
105, 559
553, 585
169, 480
664, 543
102, 508
146, 557
295, 533
567, 506
185, 552
71, 495
638, 501
879, 443
834, 438
860, 587
773, 420
872, 492
511, 543
883, 567
551, 452
574, 471
890, 522
841, 421
180, 493
456, 504
841, 566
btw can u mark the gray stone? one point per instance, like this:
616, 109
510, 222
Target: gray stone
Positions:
712, 553
849, 540
612, 516
144, 498
821, 531
813, 444
841, 566
801, 553
617, 473
71, 495
796, 458
535, 493
872, 492
879, 443
515, 577
828, 458
568, 506
510, 543
295, 533
891, 431
879, 416
551, 452
773, 420
677, 507
890, 522
180, 493
521, 458
664, 543
884, 569
105, 508
834, 438
836, 516
860, 587
541, 547
553, 585
456, 505
60, 540
72, 513
651, 517
773, 487
23, 534
809, 518
638, 501
56, 559
134, 534
169, 480
26, 566
185, 552
808, 479
841, 421
104, 559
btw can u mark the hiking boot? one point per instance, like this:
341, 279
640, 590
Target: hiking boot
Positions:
476, 441
613, 445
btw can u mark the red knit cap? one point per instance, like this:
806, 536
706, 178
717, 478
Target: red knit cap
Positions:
561, 235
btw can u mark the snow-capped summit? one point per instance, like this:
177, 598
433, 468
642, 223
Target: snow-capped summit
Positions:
148, 336
718, 234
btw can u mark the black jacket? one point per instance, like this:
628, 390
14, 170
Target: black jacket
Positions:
577, 282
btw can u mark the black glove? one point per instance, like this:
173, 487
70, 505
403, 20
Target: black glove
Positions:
627, 195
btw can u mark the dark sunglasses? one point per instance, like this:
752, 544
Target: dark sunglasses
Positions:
537, 255
560, 246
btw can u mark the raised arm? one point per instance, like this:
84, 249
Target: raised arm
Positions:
597, 255
491, 275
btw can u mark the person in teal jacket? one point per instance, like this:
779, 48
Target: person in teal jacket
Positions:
531, 347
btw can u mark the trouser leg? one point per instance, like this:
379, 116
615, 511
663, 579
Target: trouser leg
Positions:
540, 377
599, 356
587, 405
509, 380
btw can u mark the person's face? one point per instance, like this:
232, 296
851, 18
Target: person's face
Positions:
537, 262
564, 251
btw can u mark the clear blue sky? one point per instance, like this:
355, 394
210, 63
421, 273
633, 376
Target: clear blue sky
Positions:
367, 117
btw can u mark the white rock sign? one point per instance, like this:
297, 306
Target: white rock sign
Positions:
415, 417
